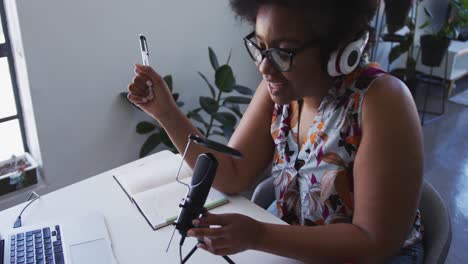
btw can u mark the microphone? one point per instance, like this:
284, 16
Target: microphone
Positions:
193, 203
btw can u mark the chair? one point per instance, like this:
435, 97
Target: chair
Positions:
437, 225
434, 214
264, 193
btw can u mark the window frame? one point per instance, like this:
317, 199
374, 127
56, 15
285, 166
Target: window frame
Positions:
6, 51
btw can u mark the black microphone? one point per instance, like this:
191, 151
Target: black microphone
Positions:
193, 203
202, 179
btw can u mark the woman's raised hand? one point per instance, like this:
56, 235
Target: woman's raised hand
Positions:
150, 92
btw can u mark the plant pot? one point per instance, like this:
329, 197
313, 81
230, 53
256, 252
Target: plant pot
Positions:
396, 13
433, 50
12, 180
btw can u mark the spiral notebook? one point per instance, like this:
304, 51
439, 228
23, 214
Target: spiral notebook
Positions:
155, 191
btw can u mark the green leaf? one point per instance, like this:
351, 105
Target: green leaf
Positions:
166, 140
201, 130
425, 25
180, 104
237, 100
394, 53
243, 90
228, 131
224, 78
235, 108
208, 104
197, 117
213, 58
150, 144
212, 90
458, 5
168, 80
175, 96
124, 96
427, 12
218, 133
225, 118
406, 44
229, 57
145, 127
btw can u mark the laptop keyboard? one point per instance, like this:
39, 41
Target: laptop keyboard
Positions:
41, 246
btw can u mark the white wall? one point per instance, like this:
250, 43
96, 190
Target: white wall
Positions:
80, 56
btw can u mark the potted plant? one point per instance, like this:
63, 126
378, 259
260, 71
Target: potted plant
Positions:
396, 13
221, 109
17, 172
405, 45
434, 45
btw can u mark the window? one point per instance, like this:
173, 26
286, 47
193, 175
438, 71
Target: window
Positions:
12, 136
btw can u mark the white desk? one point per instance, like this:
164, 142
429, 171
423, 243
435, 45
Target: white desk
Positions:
133, 241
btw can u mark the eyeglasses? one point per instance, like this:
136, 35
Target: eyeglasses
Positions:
281, 59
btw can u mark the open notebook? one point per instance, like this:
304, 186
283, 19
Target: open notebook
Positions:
156, 193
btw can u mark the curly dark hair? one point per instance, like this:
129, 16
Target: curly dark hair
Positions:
342, 20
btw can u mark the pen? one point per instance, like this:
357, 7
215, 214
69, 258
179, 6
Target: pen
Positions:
144, 50
145, 58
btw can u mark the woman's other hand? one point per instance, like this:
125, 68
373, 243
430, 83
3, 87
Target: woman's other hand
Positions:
235, 233
150, 92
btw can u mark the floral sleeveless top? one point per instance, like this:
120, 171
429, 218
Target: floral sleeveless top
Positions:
314, 184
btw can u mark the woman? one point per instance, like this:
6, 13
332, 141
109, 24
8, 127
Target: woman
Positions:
346, 149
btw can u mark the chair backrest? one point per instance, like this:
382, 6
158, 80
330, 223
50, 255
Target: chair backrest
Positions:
437, 226
264, 193
434, 215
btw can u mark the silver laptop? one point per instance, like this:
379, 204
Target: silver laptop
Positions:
76, 241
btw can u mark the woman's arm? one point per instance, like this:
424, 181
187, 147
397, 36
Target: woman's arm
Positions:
252, 136
387, 180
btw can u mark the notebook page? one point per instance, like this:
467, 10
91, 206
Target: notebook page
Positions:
159, 169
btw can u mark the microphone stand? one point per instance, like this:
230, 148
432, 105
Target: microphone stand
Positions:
228, 260
187, 257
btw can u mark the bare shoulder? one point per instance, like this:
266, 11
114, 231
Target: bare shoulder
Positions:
388, 84
389, 99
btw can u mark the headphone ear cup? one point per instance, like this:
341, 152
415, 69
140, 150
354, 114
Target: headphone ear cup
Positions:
331, 66
350, 58
344, 61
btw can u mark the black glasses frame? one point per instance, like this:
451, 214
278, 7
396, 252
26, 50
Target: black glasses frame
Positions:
267, 52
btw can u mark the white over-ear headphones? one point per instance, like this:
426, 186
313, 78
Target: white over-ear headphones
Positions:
346, 59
